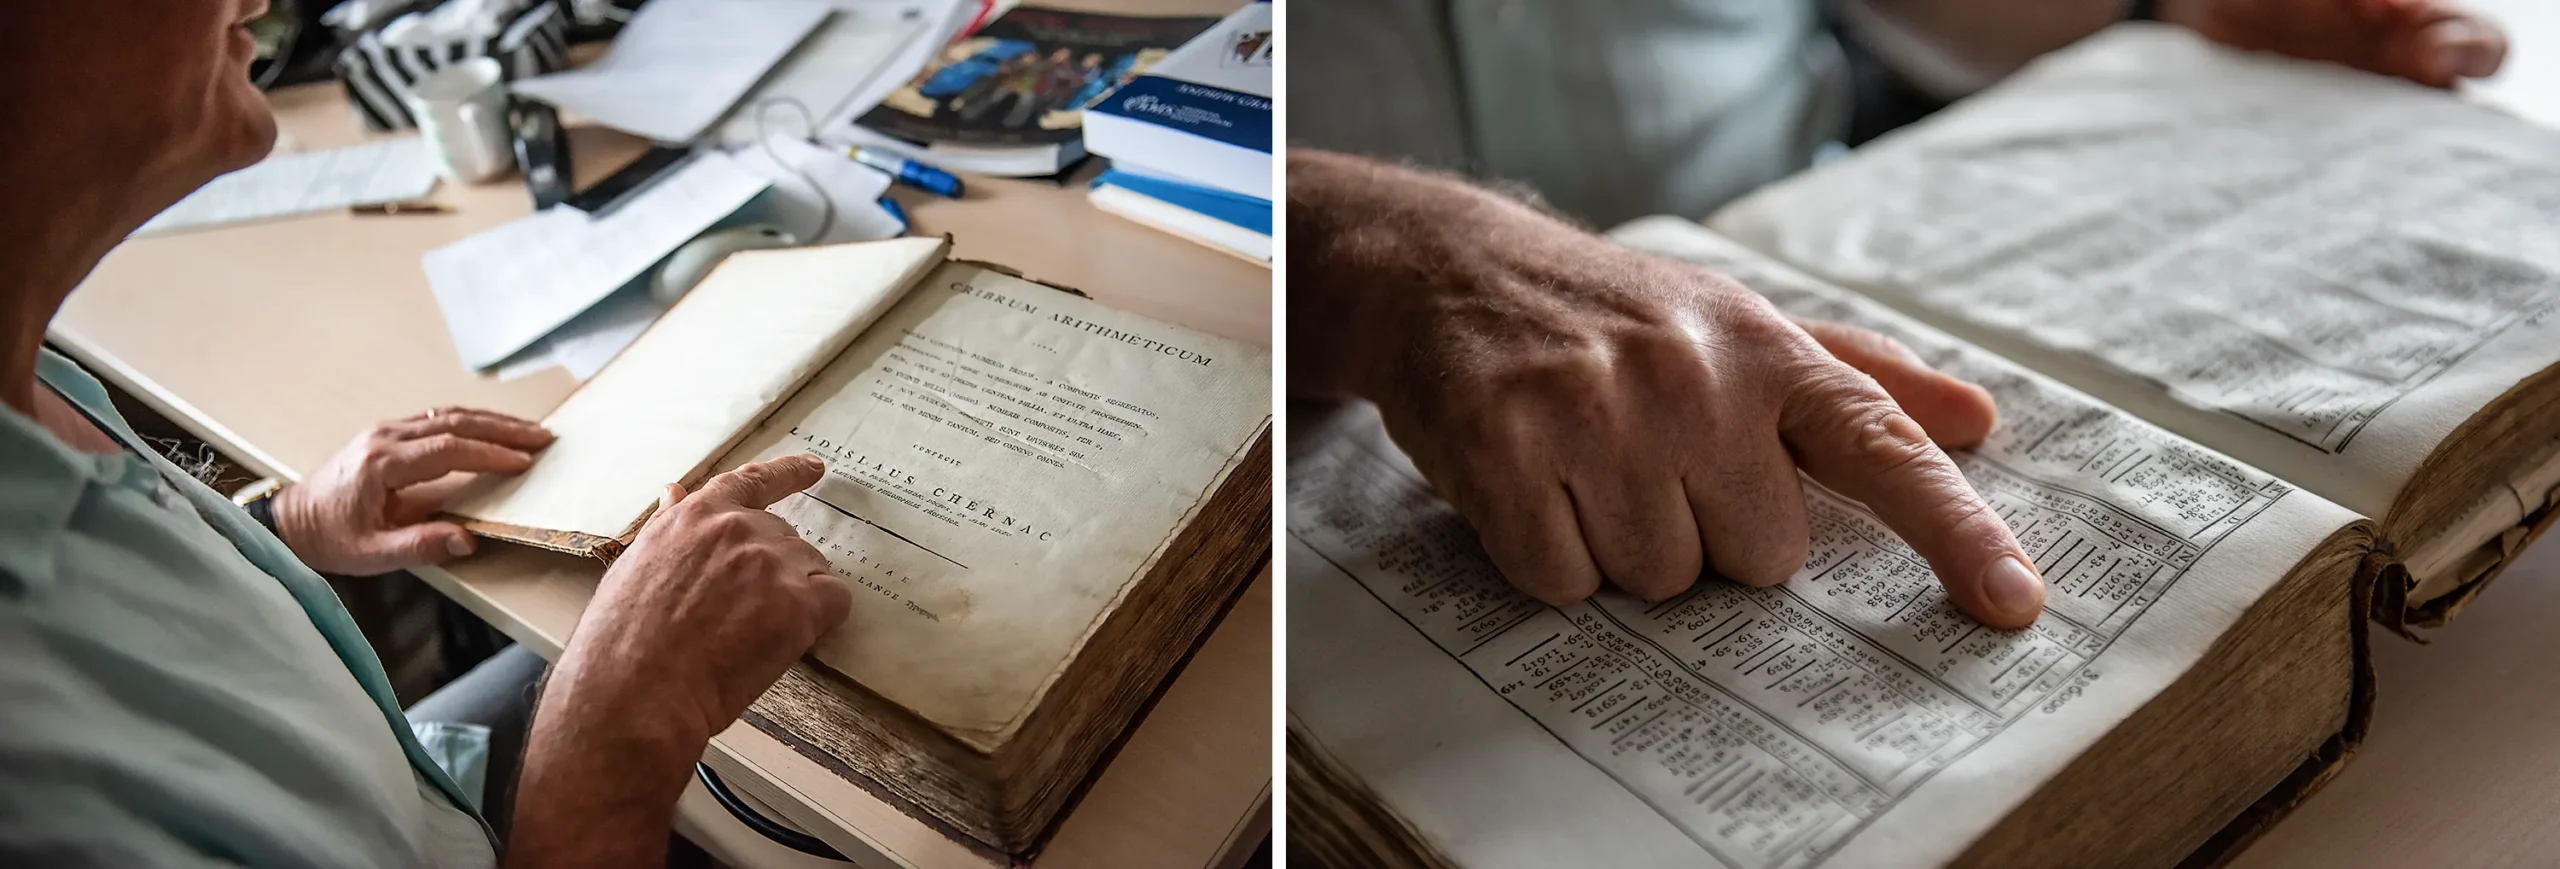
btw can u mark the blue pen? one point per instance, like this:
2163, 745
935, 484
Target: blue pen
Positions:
891, 205
908, 172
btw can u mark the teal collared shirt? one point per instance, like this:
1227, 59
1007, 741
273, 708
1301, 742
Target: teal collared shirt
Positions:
1610, 109
179, 689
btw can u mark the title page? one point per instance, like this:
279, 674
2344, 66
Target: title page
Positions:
1004, 460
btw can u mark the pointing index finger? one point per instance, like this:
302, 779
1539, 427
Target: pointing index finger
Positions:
761, 484
1851, 437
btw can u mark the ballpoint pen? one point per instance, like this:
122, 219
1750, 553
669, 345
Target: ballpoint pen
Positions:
395, 209
908, 172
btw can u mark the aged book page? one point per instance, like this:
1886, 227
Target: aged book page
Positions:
1004, 459
1850, 717
2317, 271
726, 353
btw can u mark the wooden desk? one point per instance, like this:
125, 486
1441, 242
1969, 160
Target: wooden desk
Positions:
278, 342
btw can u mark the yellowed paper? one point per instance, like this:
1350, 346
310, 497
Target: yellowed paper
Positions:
730, 350
1004, 460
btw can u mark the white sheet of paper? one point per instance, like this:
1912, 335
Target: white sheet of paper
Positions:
505, 288
679, 65
533, 360
2321, 272
288, 184
598, 335
588, 341
797, 207
857, 44
943, 21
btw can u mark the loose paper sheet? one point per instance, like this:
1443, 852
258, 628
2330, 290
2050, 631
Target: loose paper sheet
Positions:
679, 65
602, 332
505, 288
583, 345
1851, 717
942, 21
2318, 271
849, 50
284, 185
1004, 459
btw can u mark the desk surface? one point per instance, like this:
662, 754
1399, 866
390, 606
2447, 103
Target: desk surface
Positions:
277, 342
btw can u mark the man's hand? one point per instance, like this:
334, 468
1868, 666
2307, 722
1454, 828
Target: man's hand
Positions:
1598, 413
363, 512
2425, 41
715, 598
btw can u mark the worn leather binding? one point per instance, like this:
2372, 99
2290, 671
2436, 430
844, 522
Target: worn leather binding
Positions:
2391, 597
2480, 455
1000, 803
2317, 770
572, 542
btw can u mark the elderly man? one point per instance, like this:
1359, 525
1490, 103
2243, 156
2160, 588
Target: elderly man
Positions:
1604, 415
182, 689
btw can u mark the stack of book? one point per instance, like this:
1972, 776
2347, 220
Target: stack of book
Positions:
1190, 140
1011, 98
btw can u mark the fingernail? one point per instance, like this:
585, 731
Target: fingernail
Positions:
2457, 60
2482, 63
2462, 49
459, 546
2013, 588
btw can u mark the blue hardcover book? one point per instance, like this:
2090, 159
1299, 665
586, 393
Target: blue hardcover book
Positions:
1222, 219
1203, 114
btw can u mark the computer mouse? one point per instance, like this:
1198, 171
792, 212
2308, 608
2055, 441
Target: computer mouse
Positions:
693, 261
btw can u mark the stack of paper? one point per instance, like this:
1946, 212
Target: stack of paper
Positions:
504, 289
818, 196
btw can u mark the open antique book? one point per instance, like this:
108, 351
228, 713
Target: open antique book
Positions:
1040, 503
2273, 347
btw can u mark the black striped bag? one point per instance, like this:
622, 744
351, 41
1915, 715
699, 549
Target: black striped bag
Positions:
377, 76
